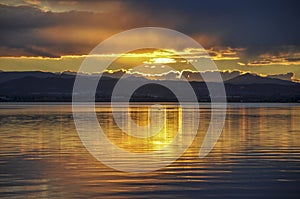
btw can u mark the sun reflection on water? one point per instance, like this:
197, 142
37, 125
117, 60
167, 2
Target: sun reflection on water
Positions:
41, 154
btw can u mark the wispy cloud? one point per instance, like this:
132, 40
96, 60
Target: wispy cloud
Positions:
283, 59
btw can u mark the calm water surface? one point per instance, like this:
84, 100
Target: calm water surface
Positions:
257, 155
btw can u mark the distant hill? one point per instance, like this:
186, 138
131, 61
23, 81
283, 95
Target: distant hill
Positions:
255, 79
7, 76
45, 86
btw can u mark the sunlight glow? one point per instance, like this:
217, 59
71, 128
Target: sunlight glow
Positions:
162, 60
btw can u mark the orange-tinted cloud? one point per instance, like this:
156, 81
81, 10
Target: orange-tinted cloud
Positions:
283, 59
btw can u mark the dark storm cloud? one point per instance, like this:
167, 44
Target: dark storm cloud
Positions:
31, 31
238, 23
258, 26
27, 30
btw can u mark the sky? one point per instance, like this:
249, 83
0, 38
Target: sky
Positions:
57, 35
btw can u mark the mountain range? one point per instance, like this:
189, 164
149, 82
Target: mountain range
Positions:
240, 87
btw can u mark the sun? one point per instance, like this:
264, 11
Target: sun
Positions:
163, 60
160, 60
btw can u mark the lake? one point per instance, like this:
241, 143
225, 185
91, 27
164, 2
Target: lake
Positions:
256, 156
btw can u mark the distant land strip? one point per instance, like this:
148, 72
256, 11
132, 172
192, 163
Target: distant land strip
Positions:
57, 87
